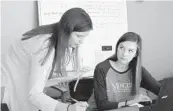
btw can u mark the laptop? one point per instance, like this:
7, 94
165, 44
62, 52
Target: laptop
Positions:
165, 97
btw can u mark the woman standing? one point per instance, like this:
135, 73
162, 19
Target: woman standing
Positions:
43, 53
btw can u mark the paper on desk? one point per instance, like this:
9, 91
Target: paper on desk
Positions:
137, 104
58, 80
88, 74
84, 72
72, 75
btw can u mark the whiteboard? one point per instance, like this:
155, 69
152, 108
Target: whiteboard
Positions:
109, 19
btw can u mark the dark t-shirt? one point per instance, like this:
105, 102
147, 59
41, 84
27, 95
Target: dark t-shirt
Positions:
103, 71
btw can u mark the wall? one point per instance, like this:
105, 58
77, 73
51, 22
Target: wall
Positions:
152, 20
16, 18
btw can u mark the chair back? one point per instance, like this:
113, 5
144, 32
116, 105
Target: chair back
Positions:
84, 89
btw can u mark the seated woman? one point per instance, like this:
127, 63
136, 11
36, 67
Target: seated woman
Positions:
117, 80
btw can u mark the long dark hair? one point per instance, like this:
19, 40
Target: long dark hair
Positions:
135, 64
74, 19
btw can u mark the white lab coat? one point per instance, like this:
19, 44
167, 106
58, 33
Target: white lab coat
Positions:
24, 78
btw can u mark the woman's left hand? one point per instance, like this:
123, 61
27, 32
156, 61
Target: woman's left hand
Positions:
139, 98
143, 98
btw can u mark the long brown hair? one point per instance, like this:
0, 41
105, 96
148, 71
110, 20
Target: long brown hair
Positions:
135, 64
74, 19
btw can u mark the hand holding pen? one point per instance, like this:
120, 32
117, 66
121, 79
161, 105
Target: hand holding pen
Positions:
77, 106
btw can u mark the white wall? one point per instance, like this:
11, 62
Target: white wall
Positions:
152, 20
16, 18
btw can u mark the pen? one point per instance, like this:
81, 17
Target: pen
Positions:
74, 100
164, 96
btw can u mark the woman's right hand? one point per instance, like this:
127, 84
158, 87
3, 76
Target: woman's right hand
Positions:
79, 106
139, 98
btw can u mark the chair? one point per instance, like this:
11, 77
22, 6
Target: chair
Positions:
84, 89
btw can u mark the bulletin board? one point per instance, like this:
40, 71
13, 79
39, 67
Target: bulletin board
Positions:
109, 19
